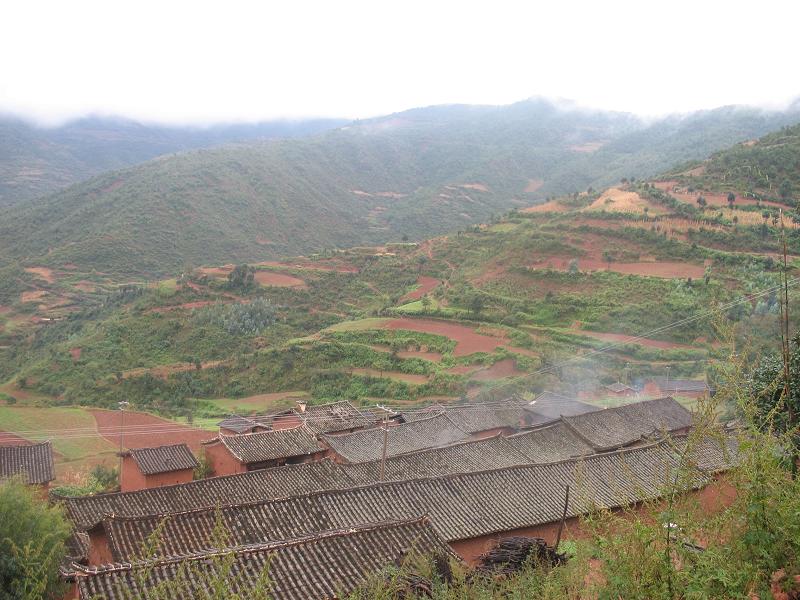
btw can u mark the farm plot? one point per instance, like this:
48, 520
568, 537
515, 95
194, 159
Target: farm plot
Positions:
259, 402
143, 430
72, 431
662, 269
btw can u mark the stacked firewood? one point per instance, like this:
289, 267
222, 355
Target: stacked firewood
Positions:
512, 553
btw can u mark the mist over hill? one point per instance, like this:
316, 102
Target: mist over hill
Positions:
408, 175
35, 161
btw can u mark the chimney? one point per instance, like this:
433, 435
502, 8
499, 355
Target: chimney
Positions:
301, 406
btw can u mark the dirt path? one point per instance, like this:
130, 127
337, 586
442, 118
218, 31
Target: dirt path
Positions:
399, 376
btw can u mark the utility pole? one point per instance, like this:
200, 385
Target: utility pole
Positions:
385, 443
786, 351
667, 386
122, 406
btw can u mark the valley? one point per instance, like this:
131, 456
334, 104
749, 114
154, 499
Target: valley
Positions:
574, 294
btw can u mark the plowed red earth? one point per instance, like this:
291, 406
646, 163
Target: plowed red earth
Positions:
12, 439
503, 368
270, 278
426, 285
145, 431
467, 340
663, 269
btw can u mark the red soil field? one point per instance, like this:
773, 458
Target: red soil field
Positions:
663, 269
504, 368
143, 430
272, 279
426, 285
43, 272
75, 353
467, 340
463, 369
12, 439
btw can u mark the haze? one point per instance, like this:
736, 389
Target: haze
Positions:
200, 62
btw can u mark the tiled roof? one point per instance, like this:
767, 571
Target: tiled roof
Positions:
473, 418
461, 506
239, 424
336, 416
277, 482
34, 462
616, 427
550, 443
367, 444
618, 387
321, 566
680, 385
270, 445
464, 457
550, 406
163, 459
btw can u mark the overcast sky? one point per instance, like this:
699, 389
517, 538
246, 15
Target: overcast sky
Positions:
175, 61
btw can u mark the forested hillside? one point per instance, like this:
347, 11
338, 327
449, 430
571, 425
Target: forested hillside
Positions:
35, 161
406, 176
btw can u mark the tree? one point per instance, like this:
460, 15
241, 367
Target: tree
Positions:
701, 201
731, 199
476, 304
785, 189
773, 410
608, 257
33, 539
573, 266
241, 278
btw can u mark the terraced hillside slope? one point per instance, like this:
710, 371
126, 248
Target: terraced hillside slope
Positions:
577, 293
409, 175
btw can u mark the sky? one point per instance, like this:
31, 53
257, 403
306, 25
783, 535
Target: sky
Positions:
200, 62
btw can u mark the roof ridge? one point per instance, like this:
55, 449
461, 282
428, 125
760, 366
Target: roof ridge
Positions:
257, 547
381, 484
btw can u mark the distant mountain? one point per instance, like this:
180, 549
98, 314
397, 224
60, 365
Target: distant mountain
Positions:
35, 161
412, 174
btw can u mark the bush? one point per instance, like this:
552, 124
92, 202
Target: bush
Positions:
32, 543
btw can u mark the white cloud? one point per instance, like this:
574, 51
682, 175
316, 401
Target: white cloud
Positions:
207, 61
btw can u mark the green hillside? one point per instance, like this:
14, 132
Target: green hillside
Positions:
35, 161
410, 175
768, 168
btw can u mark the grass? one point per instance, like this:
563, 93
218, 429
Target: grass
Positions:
358, 325
57, 423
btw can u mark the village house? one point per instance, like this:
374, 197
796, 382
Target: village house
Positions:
549, 406
321, 418
619, 390
32, 462
369, 444
144, 468
686, 388
478, 420
631, 424
468, 510
229, 454
328, 564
